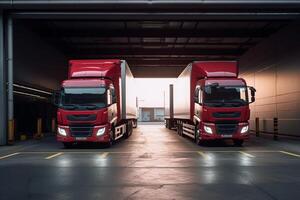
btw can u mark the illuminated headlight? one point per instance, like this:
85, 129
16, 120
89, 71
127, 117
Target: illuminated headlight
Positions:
101, 131
62, 131
245, 129
207, 129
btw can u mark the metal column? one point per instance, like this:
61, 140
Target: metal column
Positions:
10, 80
3, 122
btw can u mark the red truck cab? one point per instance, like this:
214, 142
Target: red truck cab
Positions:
92, 103
211, 102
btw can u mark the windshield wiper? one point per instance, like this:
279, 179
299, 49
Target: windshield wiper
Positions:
236, 103
89, 106
69, 106
216, 104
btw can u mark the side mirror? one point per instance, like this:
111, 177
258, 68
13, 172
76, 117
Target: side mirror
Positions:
55, 98
252, 92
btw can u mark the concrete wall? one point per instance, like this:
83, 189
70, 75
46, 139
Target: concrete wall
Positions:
35, 61
273, 67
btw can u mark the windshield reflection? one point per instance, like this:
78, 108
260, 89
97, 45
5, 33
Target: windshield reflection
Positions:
83, 98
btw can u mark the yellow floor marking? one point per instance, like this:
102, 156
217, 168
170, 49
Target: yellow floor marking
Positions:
70, 152
9, 155
291, 154
247, 154
204, 155
54, 155
104, 154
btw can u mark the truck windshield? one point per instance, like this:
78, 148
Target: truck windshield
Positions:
83, 98
225, 96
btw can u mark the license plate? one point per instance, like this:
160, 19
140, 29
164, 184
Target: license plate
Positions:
226, 136
80, 138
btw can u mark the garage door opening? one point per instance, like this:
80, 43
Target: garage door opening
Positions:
158, 48
151, 97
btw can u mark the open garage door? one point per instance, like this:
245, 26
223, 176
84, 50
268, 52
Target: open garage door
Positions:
157, 39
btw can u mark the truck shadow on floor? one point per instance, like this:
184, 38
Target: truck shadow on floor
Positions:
217, 143
89, 145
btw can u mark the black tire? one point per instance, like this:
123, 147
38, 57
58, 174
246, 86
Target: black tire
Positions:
134, 124
129, 127
178, 129
111, 139
112, 135
238, 143
67, 145
170, 124
197, 139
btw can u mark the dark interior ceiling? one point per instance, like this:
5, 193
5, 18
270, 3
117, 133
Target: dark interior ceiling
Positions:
155, 47
158, 38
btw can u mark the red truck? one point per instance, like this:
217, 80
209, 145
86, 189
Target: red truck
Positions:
209, 102
96, 103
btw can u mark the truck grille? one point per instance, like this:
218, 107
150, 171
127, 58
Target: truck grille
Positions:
81, 130
226, 114
226, 129
81, 117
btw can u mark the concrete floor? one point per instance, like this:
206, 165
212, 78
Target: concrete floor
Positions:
154, 163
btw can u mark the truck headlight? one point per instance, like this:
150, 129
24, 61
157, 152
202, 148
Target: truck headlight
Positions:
100, 131
208, 129
245, 129
62, 131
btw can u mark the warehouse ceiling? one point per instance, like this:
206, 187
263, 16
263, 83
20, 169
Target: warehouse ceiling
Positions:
158, 38
155, 48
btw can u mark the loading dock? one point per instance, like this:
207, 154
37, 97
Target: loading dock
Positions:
158, 39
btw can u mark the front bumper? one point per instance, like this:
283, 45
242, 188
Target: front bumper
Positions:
92, 138
217, 135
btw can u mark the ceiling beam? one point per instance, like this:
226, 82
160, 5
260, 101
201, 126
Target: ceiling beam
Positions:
155, 33
153, 57
155, 51
156, 72
166, 63
150, 44
192, 13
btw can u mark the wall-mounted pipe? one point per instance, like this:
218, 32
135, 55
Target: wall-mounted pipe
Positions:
10, 78
3, 116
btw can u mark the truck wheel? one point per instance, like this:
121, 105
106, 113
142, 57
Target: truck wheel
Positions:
238, 142
111, 139
129, 126
167, 124
134, 124
197, 136
170, 124
178, 129
67, 145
